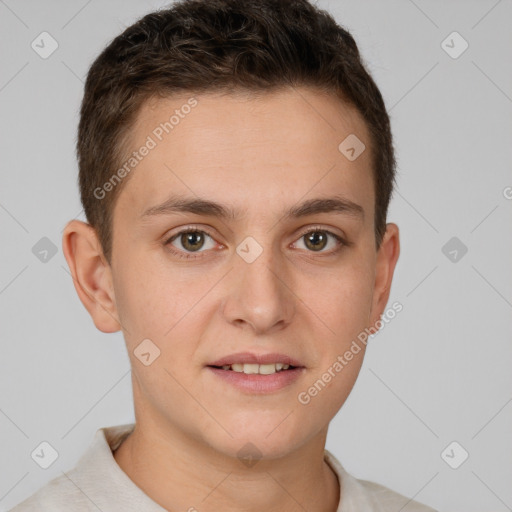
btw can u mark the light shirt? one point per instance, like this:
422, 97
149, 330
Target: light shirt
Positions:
97, 483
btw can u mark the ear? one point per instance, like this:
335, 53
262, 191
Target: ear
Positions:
91, 274
387, 257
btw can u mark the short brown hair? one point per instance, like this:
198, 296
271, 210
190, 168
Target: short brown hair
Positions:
221, 45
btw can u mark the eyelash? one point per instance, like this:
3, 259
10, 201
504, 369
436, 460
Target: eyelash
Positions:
180, 254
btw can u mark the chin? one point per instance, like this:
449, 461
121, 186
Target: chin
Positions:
260, 441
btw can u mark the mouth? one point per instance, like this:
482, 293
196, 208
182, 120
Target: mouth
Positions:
260, 369
254, 373
252, 378
251, 363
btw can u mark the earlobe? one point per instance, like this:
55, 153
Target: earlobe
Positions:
387, 258
91, 274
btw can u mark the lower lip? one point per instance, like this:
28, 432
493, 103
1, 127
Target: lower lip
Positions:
256, 383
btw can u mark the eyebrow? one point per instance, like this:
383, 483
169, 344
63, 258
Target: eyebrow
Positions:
199, 206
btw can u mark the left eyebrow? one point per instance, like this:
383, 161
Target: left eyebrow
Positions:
327, 205
198, 206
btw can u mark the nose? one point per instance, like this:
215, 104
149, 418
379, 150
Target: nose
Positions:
259, 295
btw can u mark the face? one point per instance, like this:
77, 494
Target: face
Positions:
267, 277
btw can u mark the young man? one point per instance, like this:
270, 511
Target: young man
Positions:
236, 166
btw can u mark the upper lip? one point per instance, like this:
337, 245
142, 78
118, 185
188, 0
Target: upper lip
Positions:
251, 358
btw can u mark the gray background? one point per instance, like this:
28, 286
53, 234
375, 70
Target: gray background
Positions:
439, 372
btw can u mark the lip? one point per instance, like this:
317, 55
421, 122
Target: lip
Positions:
252, 358
256, 383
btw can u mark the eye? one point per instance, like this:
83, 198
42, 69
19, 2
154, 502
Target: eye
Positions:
317, 239
191, 240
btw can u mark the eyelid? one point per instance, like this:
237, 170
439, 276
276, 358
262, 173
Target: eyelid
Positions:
329, 230
341, 239
192, 228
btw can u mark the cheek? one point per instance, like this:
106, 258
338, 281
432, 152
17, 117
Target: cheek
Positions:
158, 302
341, 300
147, 300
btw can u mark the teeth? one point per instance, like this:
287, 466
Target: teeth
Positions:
262, 369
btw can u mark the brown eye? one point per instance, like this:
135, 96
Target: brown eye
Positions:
192, 241
316, 240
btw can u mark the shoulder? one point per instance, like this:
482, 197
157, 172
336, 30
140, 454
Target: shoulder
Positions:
59, 494
369, 496
389, 500
88, 485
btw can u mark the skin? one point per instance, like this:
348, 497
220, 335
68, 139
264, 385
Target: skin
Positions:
261, 155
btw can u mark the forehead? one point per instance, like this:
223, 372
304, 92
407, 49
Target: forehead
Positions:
244, 150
